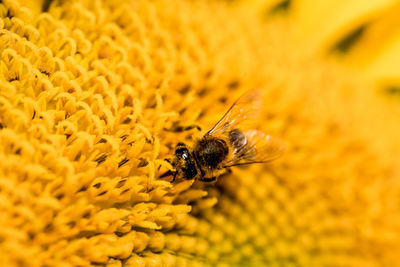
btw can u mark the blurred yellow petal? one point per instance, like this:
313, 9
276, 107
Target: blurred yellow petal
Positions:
376, 52
320, 24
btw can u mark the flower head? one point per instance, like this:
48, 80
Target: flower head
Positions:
90, 90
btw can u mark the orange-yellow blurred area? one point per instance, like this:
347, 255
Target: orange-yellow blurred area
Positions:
89, 93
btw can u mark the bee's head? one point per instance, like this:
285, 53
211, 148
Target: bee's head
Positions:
182, 152
184, 162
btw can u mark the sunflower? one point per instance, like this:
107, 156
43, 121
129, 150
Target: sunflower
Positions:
89, 93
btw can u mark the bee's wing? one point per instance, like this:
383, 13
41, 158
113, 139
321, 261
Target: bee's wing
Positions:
242, 113
260, 148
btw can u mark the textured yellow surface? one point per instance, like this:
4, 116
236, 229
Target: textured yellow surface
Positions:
89, 90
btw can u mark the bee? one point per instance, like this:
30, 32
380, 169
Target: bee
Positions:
231, 142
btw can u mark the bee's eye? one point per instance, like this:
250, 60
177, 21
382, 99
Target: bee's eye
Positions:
182, 153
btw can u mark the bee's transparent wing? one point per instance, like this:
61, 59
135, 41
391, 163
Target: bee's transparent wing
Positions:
240, 119
242, 114
260, 148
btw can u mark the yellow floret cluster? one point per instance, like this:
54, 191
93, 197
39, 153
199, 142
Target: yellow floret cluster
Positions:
91, 90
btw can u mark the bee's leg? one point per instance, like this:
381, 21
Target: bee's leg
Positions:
173, 179
179, 129
208, 180
167, 173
